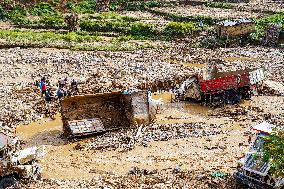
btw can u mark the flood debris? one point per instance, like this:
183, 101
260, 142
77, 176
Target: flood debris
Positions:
16, 162
125, 140
272, 35
205, 144
270, 87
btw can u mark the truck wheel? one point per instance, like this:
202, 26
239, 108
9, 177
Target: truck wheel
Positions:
232, 97
7, 182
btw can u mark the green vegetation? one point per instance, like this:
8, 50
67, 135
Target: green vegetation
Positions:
114, 46
206, 20
180, 28
274, 152
134, 5
142, 29
219, 5
54, 22
70, 40
141, 5
43, 9
84, 7
262, 23
45, 37
2, 13
104, 25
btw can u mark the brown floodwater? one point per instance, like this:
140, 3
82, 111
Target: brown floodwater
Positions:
62, 161
42, 132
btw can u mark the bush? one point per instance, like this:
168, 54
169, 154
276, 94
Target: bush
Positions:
43, 9
273, 152
141, 5
180, 28
70, 5
18, 16
86, 6
22, 21
104, 26
2, 13
142, 29
113, 6
17, 12
55, 22
262, 23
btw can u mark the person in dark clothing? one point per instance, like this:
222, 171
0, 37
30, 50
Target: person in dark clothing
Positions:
74, 87
61, 92
49, 95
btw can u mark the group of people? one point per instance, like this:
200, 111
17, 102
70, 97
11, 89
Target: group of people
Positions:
62, 92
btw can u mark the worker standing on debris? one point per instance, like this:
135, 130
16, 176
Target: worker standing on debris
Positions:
42, 86
61, 92
74, 86
48, 99
62, 82
49, 95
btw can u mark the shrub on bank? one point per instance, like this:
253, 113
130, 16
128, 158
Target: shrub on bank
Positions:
43, 9
86, 6
141, 5
104, 25
2, 13
262, 23
180, 28
53, 22
142, 29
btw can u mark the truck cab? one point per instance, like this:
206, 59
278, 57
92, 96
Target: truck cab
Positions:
252, 170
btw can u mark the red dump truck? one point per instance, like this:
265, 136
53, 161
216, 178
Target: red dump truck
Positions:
225, 87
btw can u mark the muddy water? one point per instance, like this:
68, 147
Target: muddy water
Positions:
42, 132
62, 161
179, 112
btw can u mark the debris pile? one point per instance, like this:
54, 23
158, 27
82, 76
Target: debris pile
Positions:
272, 88
126, 140
272, 35
143, 178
